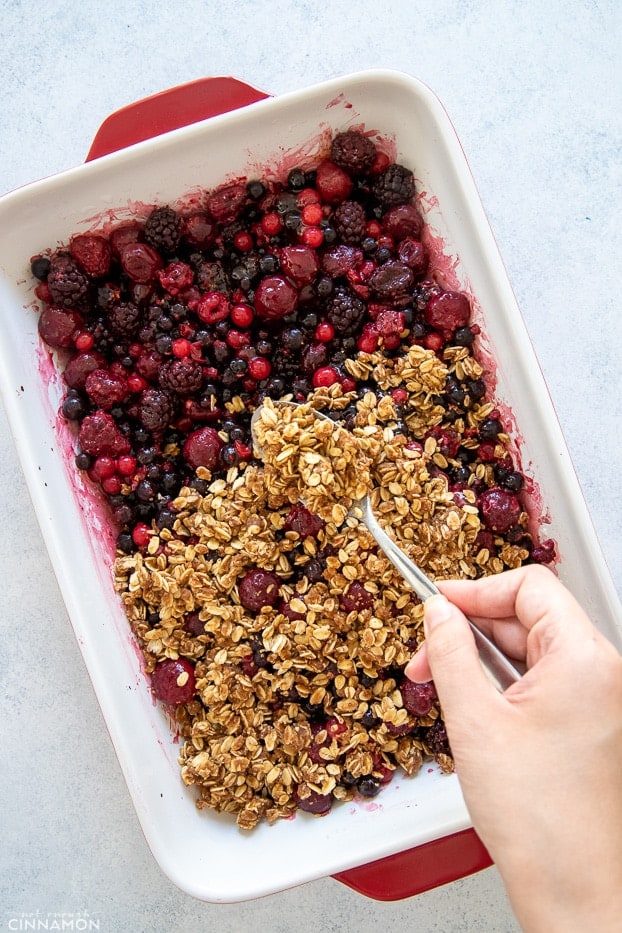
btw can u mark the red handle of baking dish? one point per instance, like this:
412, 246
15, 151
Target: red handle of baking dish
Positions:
433, 863
169, 110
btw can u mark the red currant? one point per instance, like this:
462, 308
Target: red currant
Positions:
312, 214
325, 376
243, 241
83, 342
181, 348
259, 368
312, 236
141, 534
271, 224
324, 332
112, 485
126, 465
242, 315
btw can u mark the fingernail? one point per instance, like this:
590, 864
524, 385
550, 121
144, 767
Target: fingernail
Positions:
436, 610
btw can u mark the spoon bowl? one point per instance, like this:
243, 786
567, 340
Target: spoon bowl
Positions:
500, 670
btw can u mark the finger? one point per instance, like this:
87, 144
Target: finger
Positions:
454, 661
418, 668
531, 594
491, 597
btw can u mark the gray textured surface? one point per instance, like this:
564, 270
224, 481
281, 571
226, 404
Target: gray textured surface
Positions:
534, 92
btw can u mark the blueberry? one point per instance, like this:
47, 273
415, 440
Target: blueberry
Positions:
40, 266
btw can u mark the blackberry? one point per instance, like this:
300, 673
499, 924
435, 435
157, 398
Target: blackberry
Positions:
183, 376
345, 310
435, 737
68, 285
353, 152
210, 276
163, 229
156, 410
124, 319
396, 185
349, 221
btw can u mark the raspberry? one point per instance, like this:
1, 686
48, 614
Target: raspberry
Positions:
418, 699
176, 277
390, 322
156, 409
68, 285
353, 152
345, 310
104, 389
100, 436
163, 230
396, 185
356, 598
350, 222
338, 260
500, 509
183, 376
92, 253
259, 588
124, 319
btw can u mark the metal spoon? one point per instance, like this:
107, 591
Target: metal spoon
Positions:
497, 666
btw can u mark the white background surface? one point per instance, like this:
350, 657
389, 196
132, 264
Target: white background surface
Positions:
534, 93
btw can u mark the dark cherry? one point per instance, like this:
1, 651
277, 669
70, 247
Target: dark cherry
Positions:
275, 297
173, 681
259, 588
315, 803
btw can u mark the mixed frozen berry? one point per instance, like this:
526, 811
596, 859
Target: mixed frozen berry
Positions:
173, 328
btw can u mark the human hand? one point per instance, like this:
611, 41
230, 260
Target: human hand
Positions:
540, 765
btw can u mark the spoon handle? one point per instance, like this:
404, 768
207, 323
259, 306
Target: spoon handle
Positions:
498, 667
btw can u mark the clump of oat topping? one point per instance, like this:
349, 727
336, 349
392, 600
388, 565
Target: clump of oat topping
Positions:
311, 459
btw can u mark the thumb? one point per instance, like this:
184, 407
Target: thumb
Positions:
459, 677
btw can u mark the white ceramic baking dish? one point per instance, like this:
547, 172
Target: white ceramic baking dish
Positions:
204, 853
